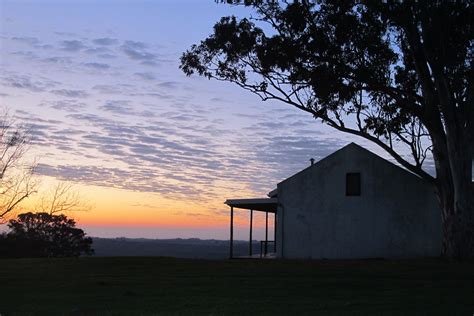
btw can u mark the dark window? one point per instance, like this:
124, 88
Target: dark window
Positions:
353, 184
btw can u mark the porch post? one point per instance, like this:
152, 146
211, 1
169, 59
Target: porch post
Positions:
266, 233
275, 233
231, 255
250, 237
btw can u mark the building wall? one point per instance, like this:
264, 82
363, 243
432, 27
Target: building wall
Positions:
396, 214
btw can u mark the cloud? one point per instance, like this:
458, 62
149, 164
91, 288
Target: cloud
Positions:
72, 45
27, 40
137, 51
169, 84
58, 60
27, 54
25, 82
145, 75
117, 89
71, 93
107, 56
90, 118
148, 137
39, 131
31, 41
220, 100
181, 154
98, 50
137, 55
72, 106
106, 41
89, 174
135, 45
180, 117
66, 34
97, 66
118, 107
137, 180
158, 156
124, 107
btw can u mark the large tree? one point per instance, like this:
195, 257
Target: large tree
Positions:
44, 235
399, 74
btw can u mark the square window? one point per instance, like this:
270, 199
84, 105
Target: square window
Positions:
353, 184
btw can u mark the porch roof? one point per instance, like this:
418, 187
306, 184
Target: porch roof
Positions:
258, 204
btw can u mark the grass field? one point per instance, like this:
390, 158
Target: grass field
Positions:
150, 286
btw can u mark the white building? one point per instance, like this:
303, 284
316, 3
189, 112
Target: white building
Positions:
351, 204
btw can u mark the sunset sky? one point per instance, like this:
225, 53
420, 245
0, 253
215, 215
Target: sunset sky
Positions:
156, 153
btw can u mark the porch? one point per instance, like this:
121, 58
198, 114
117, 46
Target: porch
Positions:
266, 205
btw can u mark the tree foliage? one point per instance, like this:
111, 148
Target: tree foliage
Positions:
44, 235
399, 74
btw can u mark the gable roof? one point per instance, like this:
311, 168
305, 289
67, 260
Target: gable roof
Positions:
355, 147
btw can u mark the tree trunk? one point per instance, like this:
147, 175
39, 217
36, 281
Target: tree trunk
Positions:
458, 230
455, 191
456, 201
458, 212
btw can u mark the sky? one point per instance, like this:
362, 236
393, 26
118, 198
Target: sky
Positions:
156, 153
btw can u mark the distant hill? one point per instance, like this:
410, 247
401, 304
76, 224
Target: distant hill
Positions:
179, 248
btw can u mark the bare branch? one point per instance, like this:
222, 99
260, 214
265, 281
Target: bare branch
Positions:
16, 175
63, 199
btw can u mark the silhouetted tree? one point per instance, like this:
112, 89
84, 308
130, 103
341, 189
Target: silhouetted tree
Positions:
62, 198
16, 182
44, 235
399, 74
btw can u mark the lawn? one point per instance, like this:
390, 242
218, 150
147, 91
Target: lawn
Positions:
150, 286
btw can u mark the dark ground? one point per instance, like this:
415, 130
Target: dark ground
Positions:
179, 248
150, 286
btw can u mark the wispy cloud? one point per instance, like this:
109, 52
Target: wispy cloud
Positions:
167, 136
169, 84
33, 42
66, 34
27, 83
117, 89
145, 75
138, 51
72, 45
106, 41
97, 66
71, 93
26, 39
61, 60
71, 106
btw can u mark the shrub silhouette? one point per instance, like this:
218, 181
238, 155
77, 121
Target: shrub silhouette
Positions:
44, 235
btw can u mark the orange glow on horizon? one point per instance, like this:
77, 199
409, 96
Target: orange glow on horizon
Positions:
112, 207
